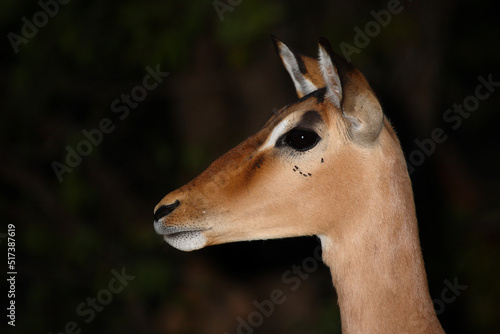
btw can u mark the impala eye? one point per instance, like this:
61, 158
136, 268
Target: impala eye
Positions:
300, 140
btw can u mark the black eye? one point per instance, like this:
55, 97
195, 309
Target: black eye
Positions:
300, 140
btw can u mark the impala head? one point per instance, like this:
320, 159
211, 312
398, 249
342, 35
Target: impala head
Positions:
309, 169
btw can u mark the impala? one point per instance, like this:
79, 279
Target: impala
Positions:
328, 165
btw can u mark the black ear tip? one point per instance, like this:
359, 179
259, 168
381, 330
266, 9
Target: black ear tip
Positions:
276, 42
275, 39
324, 42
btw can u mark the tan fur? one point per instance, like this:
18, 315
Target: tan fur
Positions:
352, 190
313, 73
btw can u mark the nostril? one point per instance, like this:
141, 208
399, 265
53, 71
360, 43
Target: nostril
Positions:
165, 210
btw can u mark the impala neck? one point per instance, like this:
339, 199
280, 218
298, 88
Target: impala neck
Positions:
378, 270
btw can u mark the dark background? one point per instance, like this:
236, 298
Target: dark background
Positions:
224, 81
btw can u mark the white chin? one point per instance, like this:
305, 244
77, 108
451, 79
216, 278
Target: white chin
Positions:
186, 241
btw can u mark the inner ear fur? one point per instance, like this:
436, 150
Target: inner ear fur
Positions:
303, 70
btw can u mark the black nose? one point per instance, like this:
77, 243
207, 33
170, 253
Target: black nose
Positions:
165, 210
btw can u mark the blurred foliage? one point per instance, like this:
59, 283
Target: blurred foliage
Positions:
70, 235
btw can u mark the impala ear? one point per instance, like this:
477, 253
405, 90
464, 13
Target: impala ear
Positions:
330, 74
296, 65
348, 90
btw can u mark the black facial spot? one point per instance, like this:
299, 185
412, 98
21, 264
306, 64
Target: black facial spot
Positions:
297, 169
258, 162
322, 160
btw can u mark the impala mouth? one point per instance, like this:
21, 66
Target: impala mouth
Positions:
184, 239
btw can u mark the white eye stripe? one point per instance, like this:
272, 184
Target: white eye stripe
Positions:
277, 132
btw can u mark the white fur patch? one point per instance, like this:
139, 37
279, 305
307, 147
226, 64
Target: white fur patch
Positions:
186, 241
326, 245
277, 132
